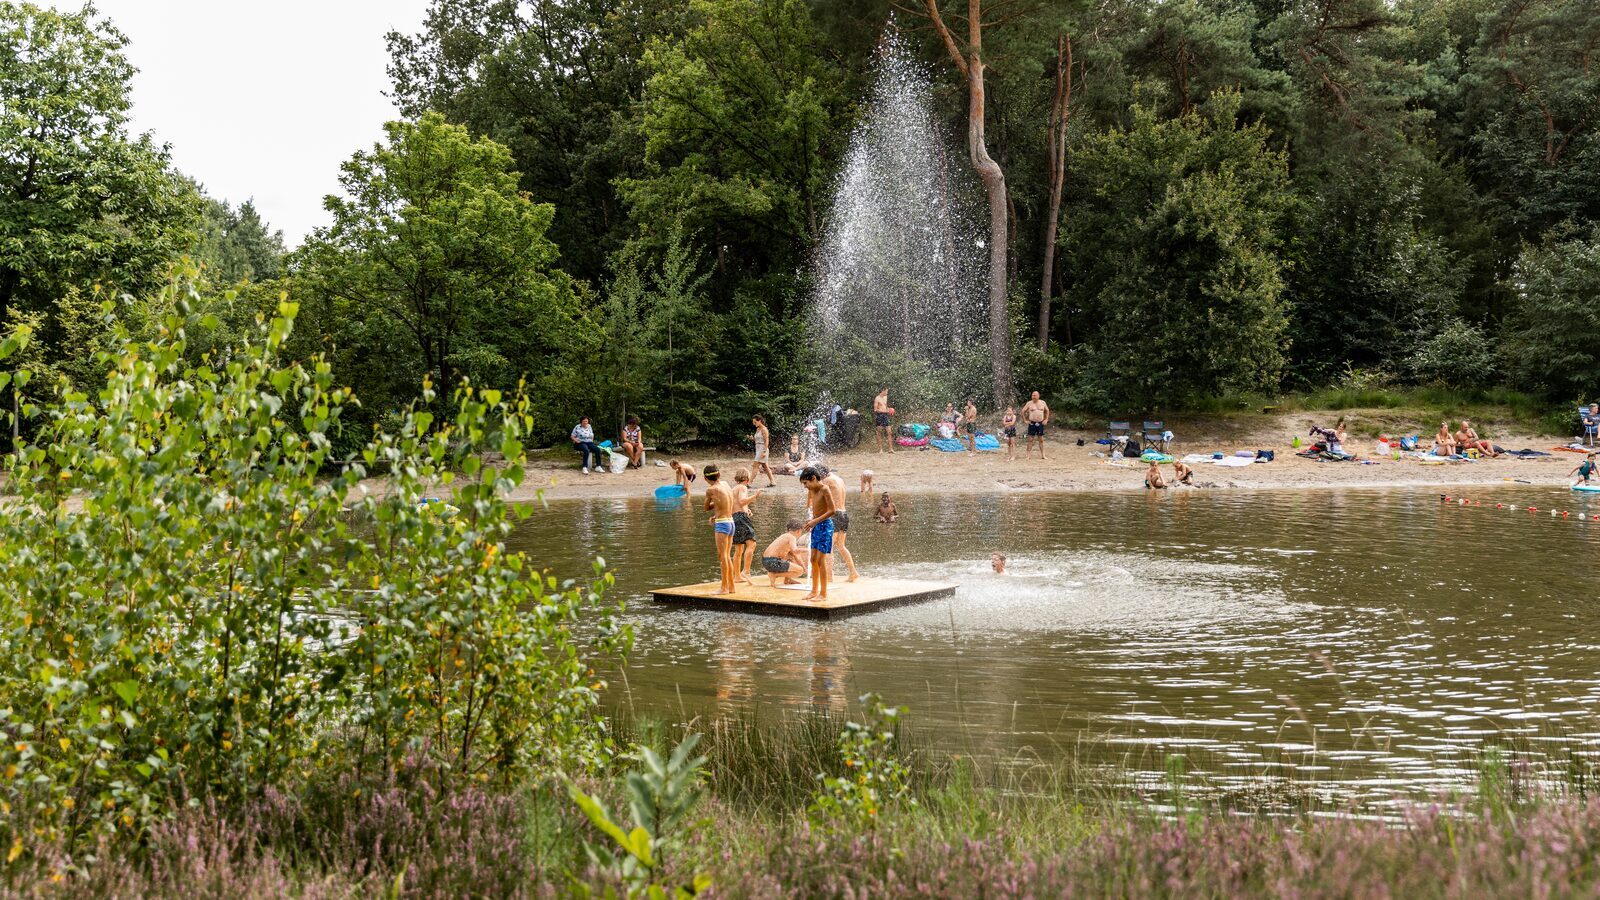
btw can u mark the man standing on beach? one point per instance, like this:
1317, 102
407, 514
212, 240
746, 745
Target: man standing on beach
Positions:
841, 516
1036, 413
719, 502
882, 419
820, 501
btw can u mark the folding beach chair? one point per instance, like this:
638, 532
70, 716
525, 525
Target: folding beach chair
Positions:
1117, 434
1591, 425
1155, 435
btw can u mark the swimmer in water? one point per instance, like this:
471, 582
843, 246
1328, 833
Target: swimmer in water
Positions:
886, 511
998, 561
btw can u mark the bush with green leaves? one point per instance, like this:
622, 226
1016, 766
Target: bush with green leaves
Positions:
192, 608
662, 794
1459, 354
876, 775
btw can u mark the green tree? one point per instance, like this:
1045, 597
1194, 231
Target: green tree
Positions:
553, 80
435, 250
236, 244
1177, 240
1552, 337
80, 200
741, 119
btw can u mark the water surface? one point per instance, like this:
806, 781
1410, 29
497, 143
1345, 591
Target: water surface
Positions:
1361, 644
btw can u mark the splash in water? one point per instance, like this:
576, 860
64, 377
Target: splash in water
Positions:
901, 263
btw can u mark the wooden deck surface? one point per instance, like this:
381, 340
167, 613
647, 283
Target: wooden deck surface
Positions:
844, 598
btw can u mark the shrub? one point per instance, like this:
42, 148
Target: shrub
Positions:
1459, 354
875, 777
190, 610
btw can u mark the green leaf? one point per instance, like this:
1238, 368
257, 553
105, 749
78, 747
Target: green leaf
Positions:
127, 690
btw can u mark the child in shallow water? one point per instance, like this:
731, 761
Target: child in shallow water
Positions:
682, 475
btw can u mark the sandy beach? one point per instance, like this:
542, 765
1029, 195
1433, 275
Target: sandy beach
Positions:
1069, 467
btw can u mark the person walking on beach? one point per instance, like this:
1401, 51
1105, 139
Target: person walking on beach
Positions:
583, 438
1036, 413
1008, 427
969, 426
882, 420
763, 441
821, 525
719, 502
841, 517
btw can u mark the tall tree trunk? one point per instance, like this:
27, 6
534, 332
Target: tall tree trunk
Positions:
994, 184
1060, 113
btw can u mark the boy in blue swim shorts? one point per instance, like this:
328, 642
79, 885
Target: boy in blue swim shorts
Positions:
719, 502
822, 506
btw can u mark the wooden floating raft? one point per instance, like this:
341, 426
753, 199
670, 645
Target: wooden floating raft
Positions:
844, 598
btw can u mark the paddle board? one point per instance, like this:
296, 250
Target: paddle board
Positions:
1587, 488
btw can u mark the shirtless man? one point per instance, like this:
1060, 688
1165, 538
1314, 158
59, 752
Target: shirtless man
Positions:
719, 502
1036, 413
883, 419
784, 557
763, 441
886, 511
744, 530
969, 426
841, 517
822, 508
1467, 439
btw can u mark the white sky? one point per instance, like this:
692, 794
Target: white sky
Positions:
262, 98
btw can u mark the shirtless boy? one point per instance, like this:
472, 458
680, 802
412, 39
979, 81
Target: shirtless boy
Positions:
763, 441
1182, 474
969, 426
784, 558
1036, 413
682, 475
822, 507
841, 517
1008, 427
1152, 477
719, 502
886, 511
866, 481
744, 531
882, 420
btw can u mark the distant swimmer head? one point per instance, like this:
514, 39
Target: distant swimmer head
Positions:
998, 561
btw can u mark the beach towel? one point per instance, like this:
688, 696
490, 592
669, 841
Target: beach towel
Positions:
911, 442
948, 445
988, 442
1152, 456
1233, 462
1526, 454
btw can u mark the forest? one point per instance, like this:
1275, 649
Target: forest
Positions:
616, 203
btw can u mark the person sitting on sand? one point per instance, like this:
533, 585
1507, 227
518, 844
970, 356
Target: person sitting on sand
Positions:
719, 502
1584, 470
998, 561
784, 557
1152, 477
1467, 439
682, 475
866, 481
1444, 443
950, 422
886, 511
1181, 473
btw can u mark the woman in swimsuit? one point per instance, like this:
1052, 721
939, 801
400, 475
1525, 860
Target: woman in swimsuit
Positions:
1008, 425
1444, 444
763, 438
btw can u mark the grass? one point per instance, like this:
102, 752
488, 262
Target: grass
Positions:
968, 828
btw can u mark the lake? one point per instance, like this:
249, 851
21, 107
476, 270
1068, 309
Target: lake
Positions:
1363, 645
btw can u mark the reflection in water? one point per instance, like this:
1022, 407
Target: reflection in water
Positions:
1363, 643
